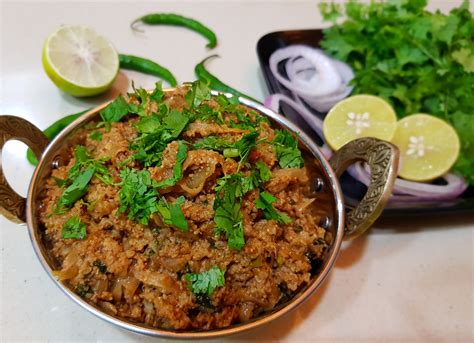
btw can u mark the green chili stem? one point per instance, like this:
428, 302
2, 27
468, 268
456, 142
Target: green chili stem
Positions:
214, 83
52, 131
178, 20
146, 66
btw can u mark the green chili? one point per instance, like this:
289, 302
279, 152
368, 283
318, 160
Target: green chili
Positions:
146, 66
52, 131
214, 83
178, 20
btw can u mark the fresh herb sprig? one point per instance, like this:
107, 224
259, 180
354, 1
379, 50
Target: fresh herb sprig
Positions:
139, 198
206, 282
137, 195
74, 228
79, 176
265, 203
286, 148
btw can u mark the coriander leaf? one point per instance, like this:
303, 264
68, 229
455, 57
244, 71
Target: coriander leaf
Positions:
158, 94
177, 168
137, 196
115, 111
74, 228
264, 173
240, 149
143, 98
286, 148
156, 133
465, 57
264, 203
198, 92
206, 282
96, 136
330, 11
245, 145
76, 190
148, 124
228, 215
84, 160
213, 143
172, 213
173, 124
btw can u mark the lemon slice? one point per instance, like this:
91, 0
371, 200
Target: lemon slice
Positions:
79, 61
359, 116
428, 147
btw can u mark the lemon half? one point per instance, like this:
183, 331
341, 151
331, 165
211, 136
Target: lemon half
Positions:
359, 116
79, 61
429, 147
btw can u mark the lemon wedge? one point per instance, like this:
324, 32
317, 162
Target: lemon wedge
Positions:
359, 116
429, 147
79, 61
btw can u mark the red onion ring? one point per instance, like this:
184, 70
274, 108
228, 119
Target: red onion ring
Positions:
404, 190
326, 81
305, 76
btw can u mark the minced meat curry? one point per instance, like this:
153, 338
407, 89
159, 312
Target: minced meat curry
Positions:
181, 210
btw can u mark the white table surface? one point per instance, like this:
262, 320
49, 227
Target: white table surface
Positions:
408, 280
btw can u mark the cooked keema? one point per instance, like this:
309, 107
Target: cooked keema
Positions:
181, 210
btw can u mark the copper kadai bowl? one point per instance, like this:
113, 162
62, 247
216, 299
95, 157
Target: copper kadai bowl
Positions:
382, 157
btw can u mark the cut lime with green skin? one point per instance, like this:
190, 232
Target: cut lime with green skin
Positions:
359, 116
429, 147
79, 61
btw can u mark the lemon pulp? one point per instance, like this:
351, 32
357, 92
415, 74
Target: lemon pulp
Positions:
429, 147
359, 116
79, 61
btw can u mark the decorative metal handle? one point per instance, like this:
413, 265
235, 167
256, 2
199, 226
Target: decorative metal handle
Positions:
12, 205
382, 158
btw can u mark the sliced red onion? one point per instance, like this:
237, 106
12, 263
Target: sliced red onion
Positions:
326, 81
305, 77
412, 191
273, 103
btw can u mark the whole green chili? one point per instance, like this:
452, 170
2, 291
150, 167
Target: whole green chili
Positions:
52, 131
178, 20
214, 83
146, 66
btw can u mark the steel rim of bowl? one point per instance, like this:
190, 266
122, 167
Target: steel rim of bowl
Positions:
238, 328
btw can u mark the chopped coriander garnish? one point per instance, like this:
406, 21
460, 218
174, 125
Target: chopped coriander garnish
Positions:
286, 148
198, 92
84, 160
143, 97
264, 173
158, 94
172, 214
264, 203
115, 111
228, 215
155, 134
76, 190
74, 228
96, 136
206, 282
137, 196
240, 149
